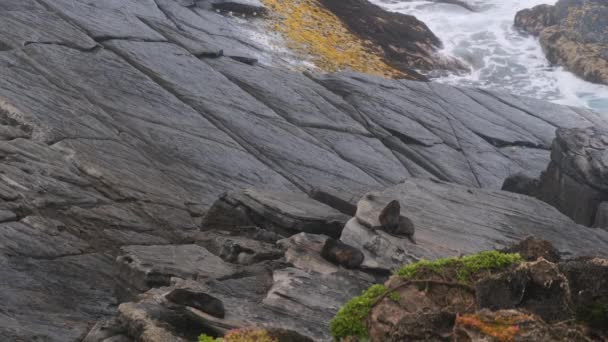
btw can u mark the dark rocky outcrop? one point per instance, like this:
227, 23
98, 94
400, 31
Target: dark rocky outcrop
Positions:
576, 180
535, 20
516, 301
573, 34
407, 42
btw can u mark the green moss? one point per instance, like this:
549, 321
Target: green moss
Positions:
394, 296
463, 267
349, 321
207, 338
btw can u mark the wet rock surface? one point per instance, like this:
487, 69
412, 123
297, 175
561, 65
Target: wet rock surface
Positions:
575, 181
123, 123
572, 34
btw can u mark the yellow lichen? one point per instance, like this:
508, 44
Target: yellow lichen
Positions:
310, 29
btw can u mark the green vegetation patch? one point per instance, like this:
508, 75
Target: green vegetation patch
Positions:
207, 338
463, 267
349, 321
241, 335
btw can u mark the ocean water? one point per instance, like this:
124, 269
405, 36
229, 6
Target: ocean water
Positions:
499, 56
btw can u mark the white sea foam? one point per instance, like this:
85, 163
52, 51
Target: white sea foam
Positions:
500, 57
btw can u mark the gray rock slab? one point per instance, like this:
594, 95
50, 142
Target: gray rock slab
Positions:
20, 5
298, 155
196, 155
54, 299
140, 8
298, 294
321, 113
143, 267
196, 44
104, 23
212, 29
20, 28
51, 112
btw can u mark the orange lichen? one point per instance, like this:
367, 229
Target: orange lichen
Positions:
310, 29
503, 329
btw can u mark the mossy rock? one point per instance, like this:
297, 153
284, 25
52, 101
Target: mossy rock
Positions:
466, 269
350, 319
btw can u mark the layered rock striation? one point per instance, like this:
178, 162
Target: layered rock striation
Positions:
123, 122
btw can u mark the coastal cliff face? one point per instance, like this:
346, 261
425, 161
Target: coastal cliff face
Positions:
130, 129
573, 33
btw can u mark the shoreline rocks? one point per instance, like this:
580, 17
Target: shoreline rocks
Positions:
572, 34
501, 298
364, 38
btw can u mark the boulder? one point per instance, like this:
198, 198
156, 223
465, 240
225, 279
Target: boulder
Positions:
380, 213
576, 180
572, 34
198, 300
282, 212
